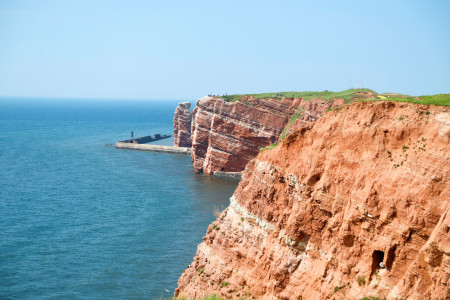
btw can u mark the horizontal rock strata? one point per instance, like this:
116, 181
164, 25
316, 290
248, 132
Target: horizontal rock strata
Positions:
356, 205
226, 136
182, 125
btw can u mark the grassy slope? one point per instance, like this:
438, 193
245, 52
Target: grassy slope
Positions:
347, 95
439, 99
307, 95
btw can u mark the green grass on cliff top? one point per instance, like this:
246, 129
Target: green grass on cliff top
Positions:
348, 95
307, 95
440, 99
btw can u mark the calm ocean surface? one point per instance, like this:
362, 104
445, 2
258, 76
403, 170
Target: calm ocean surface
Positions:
79, 220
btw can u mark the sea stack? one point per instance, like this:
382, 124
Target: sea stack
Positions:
182, 125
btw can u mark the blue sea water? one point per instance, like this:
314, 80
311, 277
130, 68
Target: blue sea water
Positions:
79, 220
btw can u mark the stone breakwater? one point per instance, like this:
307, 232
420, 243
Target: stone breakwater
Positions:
356, 205
154, 148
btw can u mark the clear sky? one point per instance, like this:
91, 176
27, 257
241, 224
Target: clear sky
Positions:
144, 49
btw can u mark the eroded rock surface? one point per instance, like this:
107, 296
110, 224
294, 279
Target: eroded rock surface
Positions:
227, 135
182, 125
317, 216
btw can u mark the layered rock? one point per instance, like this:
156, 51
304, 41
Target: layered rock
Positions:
227, 135
182, 125
356, 205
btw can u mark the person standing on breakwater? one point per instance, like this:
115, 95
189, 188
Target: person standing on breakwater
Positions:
132, 134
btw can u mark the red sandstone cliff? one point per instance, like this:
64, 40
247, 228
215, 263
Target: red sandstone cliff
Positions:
314, 217
227, 135
182, 125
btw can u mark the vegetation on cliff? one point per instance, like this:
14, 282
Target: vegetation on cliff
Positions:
306, 95
439, 99
347, 95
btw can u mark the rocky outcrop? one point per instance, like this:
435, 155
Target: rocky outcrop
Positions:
227, 135
356, 205
309, 111
182, 125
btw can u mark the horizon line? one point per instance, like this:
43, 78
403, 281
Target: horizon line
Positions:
92, 98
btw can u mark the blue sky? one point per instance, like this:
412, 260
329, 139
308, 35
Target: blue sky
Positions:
187, 49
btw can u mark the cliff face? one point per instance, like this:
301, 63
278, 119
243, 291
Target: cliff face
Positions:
182, 125
227, 135
315, 217
310, 111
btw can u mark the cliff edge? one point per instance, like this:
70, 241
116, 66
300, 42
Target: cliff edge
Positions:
227, 135
228, 132
355, 205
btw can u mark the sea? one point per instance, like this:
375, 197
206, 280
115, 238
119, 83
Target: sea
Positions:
81, 220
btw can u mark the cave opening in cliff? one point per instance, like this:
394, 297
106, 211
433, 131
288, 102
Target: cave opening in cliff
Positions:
377, 261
